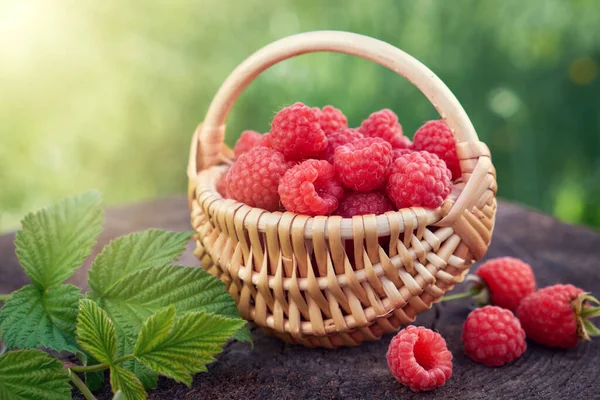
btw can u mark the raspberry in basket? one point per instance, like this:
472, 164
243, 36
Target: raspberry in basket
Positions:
337, 139
437, 138
419, 179
493, 336
254, 177
418, 358
222, 186
311, 188
384, 124
363, 164
248, 139
359, 203
296, 132
332, 119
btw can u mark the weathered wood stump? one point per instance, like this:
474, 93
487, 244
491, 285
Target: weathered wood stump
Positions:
275, 370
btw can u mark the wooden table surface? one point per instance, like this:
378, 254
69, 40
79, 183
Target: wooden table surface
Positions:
275, 370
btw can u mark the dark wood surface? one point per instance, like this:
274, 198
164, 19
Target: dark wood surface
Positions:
275, 370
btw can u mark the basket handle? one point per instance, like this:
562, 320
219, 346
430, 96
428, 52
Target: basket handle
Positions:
211, 133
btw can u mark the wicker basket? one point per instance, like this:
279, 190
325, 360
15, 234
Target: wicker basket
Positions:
291, 274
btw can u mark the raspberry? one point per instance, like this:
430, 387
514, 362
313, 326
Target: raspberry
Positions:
508, 280
265, 140
332, 119
310, 188
222, 186
247, 140
253, 179
357, 203
397, 153
419, 179
384, 124
493, 336
296, 132
337, 139
548, 316
418, 358
363, 164
437, 138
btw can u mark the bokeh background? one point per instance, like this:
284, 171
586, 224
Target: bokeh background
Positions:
107, 94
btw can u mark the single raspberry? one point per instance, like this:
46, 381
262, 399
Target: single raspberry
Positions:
419, 179
265, 140
332, 119
358, 203
418, 358
397, 153
493, 336
384, 124
253, 179
556, 316
296, 132
247, 140
363, 164
437, 138
311, 188
222, 186
508, 280
337, 139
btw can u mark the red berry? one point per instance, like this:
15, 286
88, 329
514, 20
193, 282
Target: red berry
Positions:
311, 188
418, 358
493, 336
337, 139
296, 132
332, 119
397, 153
437, 138
253, 179
358, 203
247, 140
548, 316
363, 164
265, 140
508, 280
222, 186
419, 179
384, 124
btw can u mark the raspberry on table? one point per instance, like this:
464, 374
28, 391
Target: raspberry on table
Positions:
332, 119
337, 139
548, 316
493, 336
384, 124
248, 139
310, 188
419, 179
363, 164
296, 132
254, 177
222, 186
508, 281
359, 203
419, 358
437, 138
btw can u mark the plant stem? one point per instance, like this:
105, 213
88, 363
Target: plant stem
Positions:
81, 386
102, 367
5, 297
457, 296
123, 359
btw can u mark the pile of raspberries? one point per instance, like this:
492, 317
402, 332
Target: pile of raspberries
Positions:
312, 163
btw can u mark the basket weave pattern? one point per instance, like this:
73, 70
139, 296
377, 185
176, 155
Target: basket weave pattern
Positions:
329, 281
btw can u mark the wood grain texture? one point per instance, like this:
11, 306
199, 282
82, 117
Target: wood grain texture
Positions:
275, 370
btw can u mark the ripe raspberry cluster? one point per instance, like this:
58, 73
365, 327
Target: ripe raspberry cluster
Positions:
311, 162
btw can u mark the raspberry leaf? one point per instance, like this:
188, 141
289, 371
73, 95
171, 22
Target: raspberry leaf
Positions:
31, 374
55, 241
125, 382
32, 318
96, 332
180, 346
135, 252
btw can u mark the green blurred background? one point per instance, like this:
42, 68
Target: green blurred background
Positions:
107, 94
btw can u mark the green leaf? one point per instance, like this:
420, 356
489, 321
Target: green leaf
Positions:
179, 347
56, 240
95, 332
135, 252
127, 383
137, 296
31, 374
119, 396
34, 318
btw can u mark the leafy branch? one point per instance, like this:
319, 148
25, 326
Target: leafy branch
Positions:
142, 317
